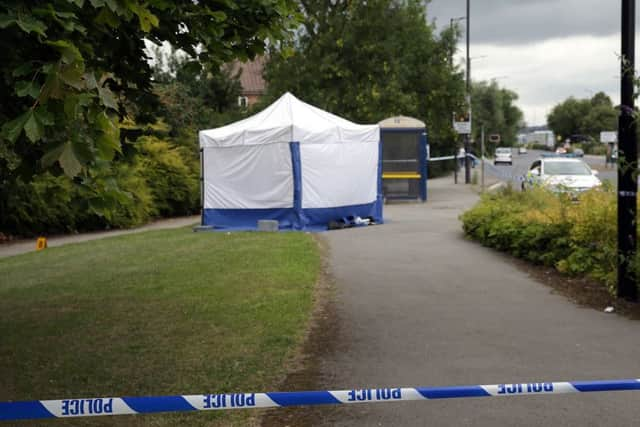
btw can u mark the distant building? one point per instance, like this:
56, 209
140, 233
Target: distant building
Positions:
541, 135
251, 80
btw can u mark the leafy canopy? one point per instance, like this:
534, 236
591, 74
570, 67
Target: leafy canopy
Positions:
71, 69
371, 60
494, 108
583, 119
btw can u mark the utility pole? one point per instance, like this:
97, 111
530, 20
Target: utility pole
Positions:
627, 160
467, 148
482, 158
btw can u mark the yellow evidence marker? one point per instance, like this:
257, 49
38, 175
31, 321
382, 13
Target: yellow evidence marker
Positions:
41, 243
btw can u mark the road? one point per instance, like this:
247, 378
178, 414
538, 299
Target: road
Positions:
522, 162
416, 304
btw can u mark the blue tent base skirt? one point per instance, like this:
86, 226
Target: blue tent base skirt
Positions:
289, 218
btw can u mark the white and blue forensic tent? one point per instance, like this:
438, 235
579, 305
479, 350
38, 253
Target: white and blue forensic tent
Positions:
293, 163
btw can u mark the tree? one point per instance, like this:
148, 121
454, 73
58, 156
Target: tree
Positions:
583, 119
493, 107
370, 60
73, 69
194, 97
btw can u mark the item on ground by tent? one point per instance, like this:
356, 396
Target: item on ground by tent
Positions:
349, 222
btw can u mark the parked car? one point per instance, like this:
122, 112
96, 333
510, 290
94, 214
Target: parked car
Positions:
522, 150
561, 174
578, 152
503, 155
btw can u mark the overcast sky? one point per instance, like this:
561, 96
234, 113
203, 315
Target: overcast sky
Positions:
544, 50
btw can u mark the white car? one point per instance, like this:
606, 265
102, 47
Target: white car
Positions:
522, 150
561, 174
503, 155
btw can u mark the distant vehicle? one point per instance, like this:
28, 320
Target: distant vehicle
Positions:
522, 150
578, 152
503, 155
561, 150
561, 175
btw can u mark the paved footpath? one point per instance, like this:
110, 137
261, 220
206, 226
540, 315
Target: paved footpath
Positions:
418, 305
23, 246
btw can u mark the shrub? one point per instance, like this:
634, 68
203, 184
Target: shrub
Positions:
550, 229
157, 180
171, 175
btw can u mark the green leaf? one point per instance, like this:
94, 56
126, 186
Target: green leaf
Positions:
6, 20
71, 106
72, 75
107, 98
82, 149
79, 3
43, 115
218, 15
108, 18
27, 88
90, 81
29, 24
12, 130
145, 17
52, 86
33, 128
68, 160
108, 143
68, 50
147, 20
107, 146
22, 70
52, 155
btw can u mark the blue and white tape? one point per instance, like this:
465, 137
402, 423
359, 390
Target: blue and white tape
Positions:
88, 407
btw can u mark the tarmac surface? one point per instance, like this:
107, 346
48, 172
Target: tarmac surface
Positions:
416, 304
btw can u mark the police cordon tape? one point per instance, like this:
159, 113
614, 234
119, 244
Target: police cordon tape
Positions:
101, 406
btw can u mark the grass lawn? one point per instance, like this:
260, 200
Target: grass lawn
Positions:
162, 312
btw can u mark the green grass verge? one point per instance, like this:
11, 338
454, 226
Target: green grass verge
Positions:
164, 312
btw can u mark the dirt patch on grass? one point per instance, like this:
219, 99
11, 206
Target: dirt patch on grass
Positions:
320, 341
581, 290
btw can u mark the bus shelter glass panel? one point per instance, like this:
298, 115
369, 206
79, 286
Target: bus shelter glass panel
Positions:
400, 164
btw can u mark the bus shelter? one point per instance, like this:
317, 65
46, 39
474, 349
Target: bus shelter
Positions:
404, 158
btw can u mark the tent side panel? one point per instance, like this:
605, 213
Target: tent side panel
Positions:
248, 177
247, 219
335, 175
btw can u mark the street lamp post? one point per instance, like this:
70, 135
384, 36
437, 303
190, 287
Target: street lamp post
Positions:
628, 161
467, 163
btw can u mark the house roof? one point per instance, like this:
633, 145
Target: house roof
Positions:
251, 77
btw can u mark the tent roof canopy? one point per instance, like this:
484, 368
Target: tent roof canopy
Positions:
289, 119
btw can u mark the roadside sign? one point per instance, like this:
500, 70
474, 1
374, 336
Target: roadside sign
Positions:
463, 128
494, 137
462, 123
608, 136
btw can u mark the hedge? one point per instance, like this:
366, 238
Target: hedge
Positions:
576, 237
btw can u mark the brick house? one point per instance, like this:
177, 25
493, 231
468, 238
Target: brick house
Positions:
251, 80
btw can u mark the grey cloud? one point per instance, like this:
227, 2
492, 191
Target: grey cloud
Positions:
511, 22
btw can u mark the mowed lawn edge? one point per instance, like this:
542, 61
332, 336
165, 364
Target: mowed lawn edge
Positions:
156, 313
